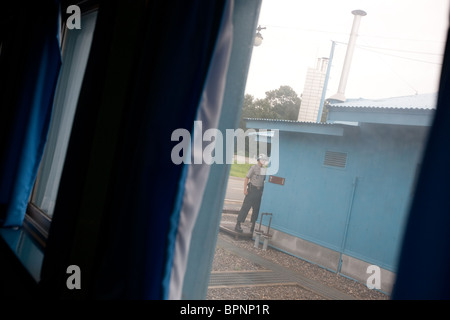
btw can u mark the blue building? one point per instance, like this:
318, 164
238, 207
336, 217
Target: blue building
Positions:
348, 183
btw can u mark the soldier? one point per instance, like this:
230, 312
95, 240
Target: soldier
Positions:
253, 190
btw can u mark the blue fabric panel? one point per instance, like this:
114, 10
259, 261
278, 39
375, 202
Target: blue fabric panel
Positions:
191, 191
187, 73
424, 263
201, 252
28, 132
145, 76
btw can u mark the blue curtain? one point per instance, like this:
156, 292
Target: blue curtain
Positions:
201, 252
29, 67
193, 187
119, 191
424, 263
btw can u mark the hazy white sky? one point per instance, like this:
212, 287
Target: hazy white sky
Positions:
398, 51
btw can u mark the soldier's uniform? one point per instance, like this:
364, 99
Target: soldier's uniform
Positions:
252, 200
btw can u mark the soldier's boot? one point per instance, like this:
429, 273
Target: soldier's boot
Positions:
252, 228
238, 227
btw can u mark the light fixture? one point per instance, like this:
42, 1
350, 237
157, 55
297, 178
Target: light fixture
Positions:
258, 37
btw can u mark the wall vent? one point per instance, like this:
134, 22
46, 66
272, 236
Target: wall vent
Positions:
335, 159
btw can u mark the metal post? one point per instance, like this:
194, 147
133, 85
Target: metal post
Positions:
325, 84
266, 241
256, 245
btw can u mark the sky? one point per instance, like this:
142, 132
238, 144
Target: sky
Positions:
399, 48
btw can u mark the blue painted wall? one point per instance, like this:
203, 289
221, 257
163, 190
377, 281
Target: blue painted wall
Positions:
317, 201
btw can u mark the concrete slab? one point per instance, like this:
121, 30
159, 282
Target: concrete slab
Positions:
305, 250
228, 227
351, 267
357, 269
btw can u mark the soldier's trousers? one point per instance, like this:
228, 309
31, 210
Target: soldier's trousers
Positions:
251, 200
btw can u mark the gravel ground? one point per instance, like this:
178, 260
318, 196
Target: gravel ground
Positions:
288, 292
227, 261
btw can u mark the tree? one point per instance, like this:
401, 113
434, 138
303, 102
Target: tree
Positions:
282, 103
248, 110
285, 102
256, 108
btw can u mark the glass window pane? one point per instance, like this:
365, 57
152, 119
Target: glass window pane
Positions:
75, 55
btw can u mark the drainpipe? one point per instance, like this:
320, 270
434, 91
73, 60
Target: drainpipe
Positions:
347, 222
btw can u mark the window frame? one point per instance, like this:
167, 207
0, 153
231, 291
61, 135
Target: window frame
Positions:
36, 222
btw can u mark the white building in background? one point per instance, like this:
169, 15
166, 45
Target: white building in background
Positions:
312, 91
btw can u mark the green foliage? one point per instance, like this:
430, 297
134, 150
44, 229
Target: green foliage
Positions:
239, 170
282, 103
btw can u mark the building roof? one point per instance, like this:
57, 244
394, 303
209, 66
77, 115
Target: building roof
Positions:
286, 121
296, 126
419, 101
416, 110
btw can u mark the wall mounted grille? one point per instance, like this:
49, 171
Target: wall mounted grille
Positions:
335, 159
